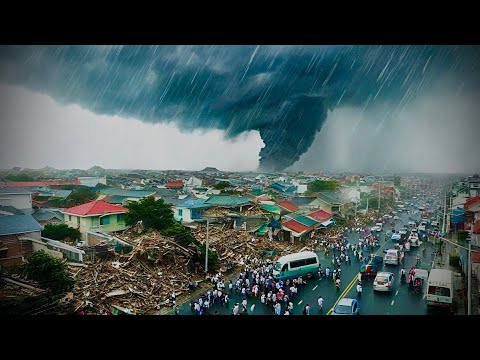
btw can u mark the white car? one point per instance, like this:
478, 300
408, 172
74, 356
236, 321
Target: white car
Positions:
402, 231
383, 281
421, 228
396, 217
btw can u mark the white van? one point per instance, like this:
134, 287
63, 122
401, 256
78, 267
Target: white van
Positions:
392, 257
303, 263
440, 288
379, 226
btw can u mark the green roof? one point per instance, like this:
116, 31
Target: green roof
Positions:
225, 200
305, 220
274, 209
262, 229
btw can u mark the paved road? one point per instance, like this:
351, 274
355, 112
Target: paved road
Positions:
401, 301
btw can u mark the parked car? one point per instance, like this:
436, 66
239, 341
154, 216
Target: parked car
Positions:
403, 231
383, 281
346, 306
396, 217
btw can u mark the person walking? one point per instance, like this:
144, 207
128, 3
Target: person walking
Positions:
359, 288
337, 284
320, 303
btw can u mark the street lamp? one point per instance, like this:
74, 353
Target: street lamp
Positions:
206, 241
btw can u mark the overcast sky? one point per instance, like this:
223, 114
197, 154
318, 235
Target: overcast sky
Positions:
344, 108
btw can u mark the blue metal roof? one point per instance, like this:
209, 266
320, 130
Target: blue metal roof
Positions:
17, 224
127, 193
44, 215
193, 204
283, 187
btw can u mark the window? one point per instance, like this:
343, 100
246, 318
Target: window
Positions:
180, 212
285, 267
69, 217
105, 220
438, 291
78, 220
354, 307
120, 217
336, 208
310, 261
3, 252
297, 263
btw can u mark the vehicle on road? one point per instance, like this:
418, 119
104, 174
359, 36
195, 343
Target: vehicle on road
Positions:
396, 237
303, 263
403, 231
371, 268
379, 226
383, 281
440, 288
392, 257
396, 217
435, 223
346, 306
418, 280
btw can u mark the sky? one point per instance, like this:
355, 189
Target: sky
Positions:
312, 108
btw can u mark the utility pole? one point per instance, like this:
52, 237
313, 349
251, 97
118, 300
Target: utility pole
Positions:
469, 283
206, 250
379, 195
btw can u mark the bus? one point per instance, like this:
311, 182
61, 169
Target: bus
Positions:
440, 288
303, 263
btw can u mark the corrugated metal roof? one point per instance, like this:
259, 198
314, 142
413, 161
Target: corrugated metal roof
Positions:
17, 224
127, 193
285, 204
44, 215
296, 226
95, 208
274, 209
194, 204
332, 197
320, 215
11, 210
305, 220
225, 200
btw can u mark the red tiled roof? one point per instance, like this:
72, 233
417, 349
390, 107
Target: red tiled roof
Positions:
471, 201
174, 184
296, 226
287, 205
21, 184
95, 208
320, 215
476, 227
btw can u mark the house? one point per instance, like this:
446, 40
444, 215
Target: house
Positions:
174, 185
320, 215
190, 210
92, 181
287, 206
13, 249
115, 195
96, 215
302, 202
331, 202
48, 216
20, 199
193, 182
228, 201
294, 230
301, 187
283, 188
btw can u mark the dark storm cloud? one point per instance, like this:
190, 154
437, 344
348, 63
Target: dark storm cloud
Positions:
284, 92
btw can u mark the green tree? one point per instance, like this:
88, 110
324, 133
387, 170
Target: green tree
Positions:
180, 233
49, 272
19, 177
80, 195
221, 185
60, 232
153, 213
322, 185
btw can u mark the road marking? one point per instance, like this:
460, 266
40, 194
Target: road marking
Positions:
315, 287
396, 293
393, 301
300, 302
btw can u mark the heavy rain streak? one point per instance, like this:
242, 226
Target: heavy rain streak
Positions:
315, 107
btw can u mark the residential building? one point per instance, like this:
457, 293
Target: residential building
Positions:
96, 215
331, 202
174, 185
48, 216
14, 249
193, 182
92, 181
56, 248
283, 188
19, 198
190, 210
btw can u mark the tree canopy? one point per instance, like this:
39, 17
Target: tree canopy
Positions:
153, 213
19, 177
78, 196
49, 272
221, 185
60, 232
322, 185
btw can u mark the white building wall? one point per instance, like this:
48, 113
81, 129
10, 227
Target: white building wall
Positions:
186, 214
92, 181
19, 201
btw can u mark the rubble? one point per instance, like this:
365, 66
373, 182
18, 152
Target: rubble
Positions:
140, 282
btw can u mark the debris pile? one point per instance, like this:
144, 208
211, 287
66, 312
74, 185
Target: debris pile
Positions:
139, 282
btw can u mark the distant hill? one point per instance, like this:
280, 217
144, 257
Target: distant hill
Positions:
210, 169
96, 169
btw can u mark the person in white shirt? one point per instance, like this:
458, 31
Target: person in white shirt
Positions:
287, 312
252, 308
320, 302
262, 299
359, 288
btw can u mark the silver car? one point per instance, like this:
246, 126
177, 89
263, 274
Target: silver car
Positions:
383, 281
